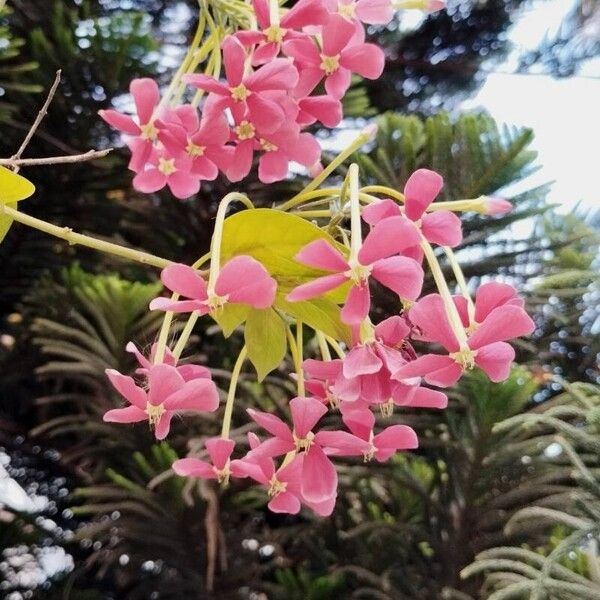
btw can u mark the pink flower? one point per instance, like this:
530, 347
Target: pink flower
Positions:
146, 95
365, 442
400, 274
496, 206
325, 109
318, 475
219, 451
162, 170
244, 94
486, 346
202, 142
188, 372
342, 54
242, 280
168, 393
372, 12
439, 227
268, 41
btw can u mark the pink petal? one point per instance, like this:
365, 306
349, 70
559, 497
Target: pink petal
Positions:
234, 57
127, 388
306, 412
219, 450
149, 181
242, 161
119, 121
359, 419
271, 423
375, 212
322, 369
304, 13
189, 372
463, 309
163, 380
428, 363
196, 394
272, 166
445, 377
497, 206
442, 227
361, 360
277, 75
336, 35
304, 51
264, 53
141, 152
285, 502
192, 467
163, 426
306, 151
347, 390
322, 255
367, 60
374, 12
495, 359
146, 96
419, 397
392, 330
213, 130
429, 315
337, 84
317, 287
390, 236
342, 443
401, 275
204, 169
261, 10
272, 447
503, 323
358, 303
185, 281
206, 83
142, 360
184, 306
391, 439
310, 77
265, 114
324, 508
319, 477
420, 191
183, 184
247, 468
325, 109
129, 414
246, 281
492, 295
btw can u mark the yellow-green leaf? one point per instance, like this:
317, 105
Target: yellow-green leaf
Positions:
266, 341
13, 188
230, 317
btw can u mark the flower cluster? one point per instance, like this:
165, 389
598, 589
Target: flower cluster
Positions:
265, 102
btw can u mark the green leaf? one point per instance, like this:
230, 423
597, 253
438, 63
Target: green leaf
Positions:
230, 317
6, 221
265, 338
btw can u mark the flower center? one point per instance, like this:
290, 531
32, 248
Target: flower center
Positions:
359, 274
245, 130
149, 132
347, 10
223, 474
274, 34
167, 166
330, 64
194, 150
216, 302
154, 412
473, 326
276, 486
465, 357
240, 92
304, 443
387, 409
267, 146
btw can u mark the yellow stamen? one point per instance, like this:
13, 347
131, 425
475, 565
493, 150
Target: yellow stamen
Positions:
154, 412
149, 131
267, 146
465, 357
274, 34
347, 10
387, 408
330, 64
240, 92
276, 486
358, 274
304, 443
245, 130
194, 150
167, 166
216, 302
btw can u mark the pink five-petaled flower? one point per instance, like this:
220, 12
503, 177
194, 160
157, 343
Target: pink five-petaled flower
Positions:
146, 95
318, 476
486, 346
376, 258
242, 280
162, 169
188, 371
201, 141
372, 12
367, 443
168, 393
219, 467
438, 227
247, 95
268, 41
342, 54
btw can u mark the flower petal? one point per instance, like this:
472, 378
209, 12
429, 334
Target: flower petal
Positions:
502, 324
219, 450
390, 236
185, 281
271, 423
495, 359
245, 281
306, 412
420, 191
279, 74
196, 394
491, 295
368, 60
285, 502
146, 96
336, 35
193, 467
401, 275
375, 212
442, 227
129, 414
317, 287
126, 386
393, 438
361, 360
358, 303
123, 123
163, 426
392, 331
319, 477
429, 315
163, 380
322, 255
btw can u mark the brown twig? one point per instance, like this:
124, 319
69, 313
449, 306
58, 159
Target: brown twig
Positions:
53, 160
40, 116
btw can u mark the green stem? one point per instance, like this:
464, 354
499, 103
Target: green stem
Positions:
442, 286
296, 357
365, 136
215, 244
384, 190
323, 347
336, 347
462, 284
355, 224
235, 375
185, 334
73, 238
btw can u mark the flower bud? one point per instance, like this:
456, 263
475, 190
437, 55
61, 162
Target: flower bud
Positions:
496, 206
